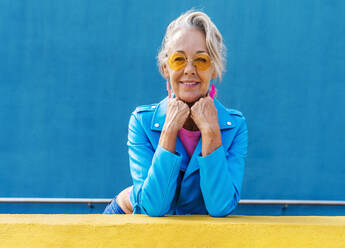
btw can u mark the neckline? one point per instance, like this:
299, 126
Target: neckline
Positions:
189, 133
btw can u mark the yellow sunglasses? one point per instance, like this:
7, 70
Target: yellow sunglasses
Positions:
178, 60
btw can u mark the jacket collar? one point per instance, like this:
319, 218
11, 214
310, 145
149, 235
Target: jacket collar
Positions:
224, 118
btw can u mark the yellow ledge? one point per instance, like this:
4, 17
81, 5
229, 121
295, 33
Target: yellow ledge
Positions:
171, 231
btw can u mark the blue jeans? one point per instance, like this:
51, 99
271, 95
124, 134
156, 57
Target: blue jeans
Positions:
113, 208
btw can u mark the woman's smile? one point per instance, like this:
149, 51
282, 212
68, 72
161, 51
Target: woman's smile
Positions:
189, 84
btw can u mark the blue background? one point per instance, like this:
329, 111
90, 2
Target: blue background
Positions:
71, 72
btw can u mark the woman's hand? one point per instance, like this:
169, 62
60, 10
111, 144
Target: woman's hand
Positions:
204, 115
177, 114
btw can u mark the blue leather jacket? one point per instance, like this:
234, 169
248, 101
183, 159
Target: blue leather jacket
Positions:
168, 183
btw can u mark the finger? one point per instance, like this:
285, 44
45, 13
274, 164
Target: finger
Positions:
197, 105
185, 109
181, 102
185, 105
208, 101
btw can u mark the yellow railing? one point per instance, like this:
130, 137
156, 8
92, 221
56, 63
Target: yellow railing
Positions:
171, 231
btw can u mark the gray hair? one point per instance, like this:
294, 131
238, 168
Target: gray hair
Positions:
214, 40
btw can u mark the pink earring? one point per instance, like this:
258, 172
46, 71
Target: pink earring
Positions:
168, 89
213, 91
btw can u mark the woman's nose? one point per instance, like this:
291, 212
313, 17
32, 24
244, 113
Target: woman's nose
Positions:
190, 68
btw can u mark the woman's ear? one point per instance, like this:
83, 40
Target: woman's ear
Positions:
165, 71
214, 74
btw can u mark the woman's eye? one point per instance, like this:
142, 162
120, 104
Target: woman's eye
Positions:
179, 59
200, 60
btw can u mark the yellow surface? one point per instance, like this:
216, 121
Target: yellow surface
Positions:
172, 231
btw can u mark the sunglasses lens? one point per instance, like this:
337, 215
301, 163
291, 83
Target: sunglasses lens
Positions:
202, 62
177, 61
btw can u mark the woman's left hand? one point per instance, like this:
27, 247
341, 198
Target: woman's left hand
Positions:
204, 115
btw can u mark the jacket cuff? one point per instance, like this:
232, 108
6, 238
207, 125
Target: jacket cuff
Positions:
166, 160
211, 159
164, 152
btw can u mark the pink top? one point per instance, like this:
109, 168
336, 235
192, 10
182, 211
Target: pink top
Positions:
189, 140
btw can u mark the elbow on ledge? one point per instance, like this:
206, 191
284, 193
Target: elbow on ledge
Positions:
155, 212
223, 210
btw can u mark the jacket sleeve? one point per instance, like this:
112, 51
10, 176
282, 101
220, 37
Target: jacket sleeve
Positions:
221, 174
154, 172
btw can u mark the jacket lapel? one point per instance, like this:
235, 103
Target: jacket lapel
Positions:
158, 118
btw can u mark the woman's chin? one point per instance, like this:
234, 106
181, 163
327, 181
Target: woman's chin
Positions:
190, 99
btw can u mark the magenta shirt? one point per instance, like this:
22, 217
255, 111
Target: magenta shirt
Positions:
189, 140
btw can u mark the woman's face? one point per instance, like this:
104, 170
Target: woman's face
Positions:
188, 83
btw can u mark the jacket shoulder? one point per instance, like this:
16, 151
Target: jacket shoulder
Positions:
145, 108
235, 112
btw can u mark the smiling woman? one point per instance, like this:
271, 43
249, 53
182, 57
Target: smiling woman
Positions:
187, 152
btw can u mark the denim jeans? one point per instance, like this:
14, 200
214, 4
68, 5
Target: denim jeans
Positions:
113, 208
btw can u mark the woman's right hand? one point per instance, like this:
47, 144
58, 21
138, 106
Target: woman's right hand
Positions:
176, 116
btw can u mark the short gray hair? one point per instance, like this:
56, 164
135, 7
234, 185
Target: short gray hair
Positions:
214, 40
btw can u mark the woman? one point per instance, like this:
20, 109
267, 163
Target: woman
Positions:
186, 152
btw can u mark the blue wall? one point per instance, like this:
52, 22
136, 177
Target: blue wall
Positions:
71, 72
